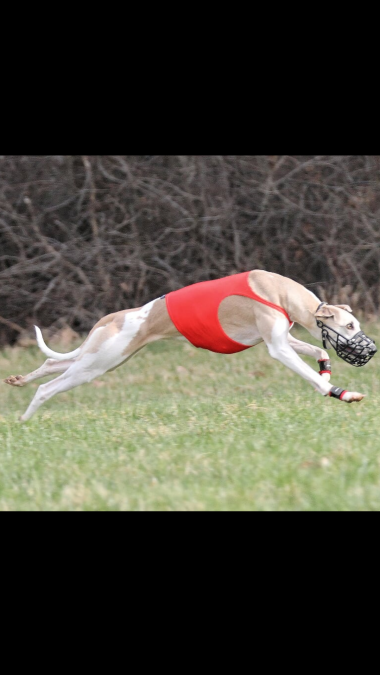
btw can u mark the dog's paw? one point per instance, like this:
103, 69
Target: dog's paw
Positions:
350, 396
15, 380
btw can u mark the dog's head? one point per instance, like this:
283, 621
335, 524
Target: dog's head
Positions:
338, 328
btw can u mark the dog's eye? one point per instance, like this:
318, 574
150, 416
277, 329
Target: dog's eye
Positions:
350, 326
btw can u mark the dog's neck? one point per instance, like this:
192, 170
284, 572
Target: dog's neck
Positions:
301, 306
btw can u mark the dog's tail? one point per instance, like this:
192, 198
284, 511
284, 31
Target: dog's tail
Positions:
49, 352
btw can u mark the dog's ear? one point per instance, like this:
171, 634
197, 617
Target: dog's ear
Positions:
346, 307
324, 312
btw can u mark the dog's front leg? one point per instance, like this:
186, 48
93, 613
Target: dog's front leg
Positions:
320, 355
275, 334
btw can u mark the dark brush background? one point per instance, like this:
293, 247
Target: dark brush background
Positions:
83, 236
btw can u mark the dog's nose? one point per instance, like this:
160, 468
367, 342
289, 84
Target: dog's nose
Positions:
373, 349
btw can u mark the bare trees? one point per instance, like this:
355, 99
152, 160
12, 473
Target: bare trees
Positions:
83, 236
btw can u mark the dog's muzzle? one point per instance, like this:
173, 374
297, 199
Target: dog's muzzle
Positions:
357, 351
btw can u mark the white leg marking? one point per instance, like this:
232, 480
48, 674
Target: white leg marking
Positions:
50, 367
45, 391
280, 349
88, 366
309, 350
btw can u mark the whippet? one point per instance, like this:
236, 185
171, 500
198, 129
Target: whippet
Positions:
226, 315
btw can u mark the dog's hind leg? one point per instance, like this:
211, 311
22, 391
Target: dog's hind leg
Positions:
50, 367
76, 373
112, 341
68, 380
107, 350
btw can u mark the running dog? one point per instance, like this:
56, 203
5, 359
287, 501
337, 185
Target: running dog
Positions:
227, 316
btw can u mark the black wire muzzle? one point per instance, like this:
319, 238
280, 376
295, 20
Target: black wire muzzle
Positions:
357, 350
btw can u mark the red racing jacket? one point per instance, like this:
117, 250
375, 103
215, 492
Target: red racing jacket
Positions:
194, 311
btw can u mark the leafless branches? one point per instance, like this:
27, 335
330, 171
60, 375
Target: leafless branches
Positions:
84, 236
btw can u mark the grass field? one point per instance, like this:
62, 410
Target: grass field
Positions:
178, 428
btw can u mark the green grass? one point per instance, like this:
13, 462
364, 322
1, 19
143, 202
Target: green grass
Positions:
183, 429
